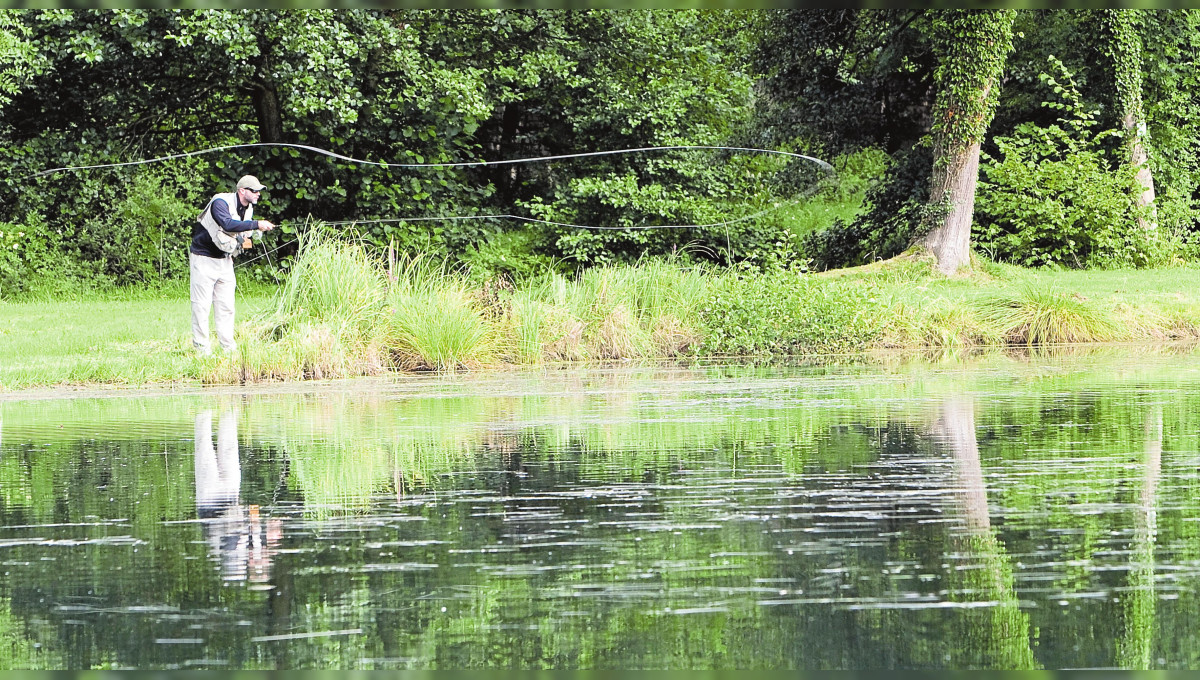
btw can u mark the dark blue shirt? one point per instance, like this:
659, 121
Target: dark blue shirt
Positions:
202, 243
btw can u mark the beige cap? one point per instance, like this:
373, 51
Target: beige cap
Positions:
250, 182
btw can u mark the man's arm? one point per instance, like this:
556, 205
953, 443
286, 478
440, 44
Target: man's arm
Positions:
220, 213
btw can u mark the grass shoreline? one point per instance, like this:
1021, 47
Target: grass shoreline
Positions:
344, 314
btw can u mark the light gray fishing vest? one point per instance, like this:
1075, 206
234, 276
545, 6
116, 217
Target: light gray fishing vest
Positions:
227, 242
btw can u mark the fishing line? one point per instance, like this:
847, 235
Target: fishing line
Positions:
824, 166
259, 256
523, 219
462, 164
559, 224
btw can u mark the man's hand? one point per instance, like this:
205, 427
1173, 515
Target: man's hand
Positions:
264, 225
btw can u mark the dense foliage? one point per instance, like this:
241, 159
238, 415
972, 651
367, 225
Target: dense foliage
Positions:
1055, 196
436, 88
395, 87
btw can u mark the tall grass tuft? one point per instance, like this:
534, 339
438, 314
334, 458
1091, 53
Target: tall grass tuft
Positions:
540, 331
647, 310
1041, 317
333, 281
940, 323
324, 320
436, 321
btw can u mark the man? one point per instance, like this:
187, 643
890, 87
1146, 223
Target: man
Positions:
211, 267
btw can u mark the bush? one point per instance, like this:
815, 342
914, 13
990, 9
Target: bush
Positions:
510, 255
1049, 202
1053, 196
31, 263
138, 235
659, 206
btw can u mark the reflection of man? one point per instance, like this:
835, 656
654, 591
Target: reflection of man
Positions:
234, 532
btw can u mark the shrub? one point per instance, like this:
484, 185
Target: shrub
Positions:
1053, 196
512, 255
889, 224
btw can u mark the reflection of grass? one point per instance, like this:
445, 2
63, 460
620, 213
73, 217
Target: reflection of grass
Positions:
997, 636
345, 451
340, 476
17, 650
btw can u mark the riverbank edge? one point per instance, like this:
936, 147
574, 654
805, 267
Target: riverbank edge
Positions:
653, 314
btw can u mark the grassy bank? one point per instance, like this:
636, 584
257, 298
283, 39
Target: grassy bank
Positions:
343, 312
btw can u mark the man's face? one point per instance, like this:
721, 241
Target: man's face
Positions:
249, 196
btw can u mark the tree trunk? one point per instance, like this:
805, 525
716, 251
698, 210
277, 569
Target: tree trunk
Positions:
954, 189
1135, 129
972, 47
266, 107
507, 175
1121, 43
265, 95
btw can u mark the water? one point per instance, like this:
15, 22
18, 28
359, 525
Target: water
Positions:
1000, 512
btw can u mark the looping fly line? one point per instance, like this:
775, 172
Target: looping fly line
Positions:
463, 164
824, 166
553, 223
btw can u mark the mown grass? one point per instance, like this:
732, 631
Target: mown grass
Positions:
344, 311
130, 341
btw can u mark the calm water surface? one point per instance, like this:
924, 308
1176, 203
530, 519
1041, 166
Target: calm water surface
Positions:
1000, 512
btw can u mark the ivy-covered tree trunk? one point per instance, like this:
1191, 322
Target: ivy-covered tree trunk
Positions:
972, 46
1123, 47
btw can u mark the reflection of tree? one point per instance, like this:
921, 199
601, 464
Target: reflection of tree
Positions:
995, 636
1138, 604
235, 533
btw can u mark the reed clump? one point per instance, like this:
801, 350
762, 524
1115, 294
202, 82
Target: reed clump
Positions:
435, 321
344, 311
647, 310
322, 322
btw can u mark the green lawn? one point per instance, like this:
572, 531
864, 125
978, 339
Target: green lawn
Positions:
125, 342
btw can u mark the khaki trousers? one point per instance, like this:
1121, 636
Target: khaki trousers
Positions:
213, 284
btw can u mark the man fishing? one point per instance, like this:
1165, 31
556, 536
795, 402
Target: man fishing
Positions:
214, 244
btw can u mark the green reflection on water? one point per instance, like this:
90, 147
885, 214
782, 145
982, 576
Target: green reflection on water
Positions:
1005, 514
